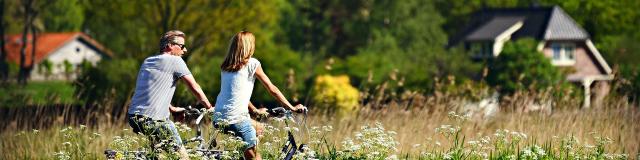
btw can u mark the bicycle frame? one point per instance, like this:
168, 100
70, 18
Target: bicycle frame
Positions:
199, 149
292, 147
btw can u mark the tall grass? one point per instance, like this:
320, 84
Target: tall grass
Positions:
388, 124
420, 134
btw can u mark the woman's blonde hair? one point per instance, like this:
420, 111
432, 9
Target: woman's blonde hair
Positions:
240, 50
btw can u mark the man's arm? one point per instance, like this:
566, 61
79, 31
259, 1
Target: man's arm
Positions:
175, 109
253, 109
196, 90
257, 112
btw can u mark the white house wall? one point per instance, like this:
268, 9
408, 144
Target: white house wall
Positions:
75, 52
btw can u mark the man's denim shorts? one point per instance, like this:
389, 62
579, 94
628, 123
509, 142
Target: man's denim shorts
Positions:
243, 130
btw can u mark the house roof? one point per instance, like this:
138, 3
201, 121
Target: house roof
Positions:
562, 27
47, 43
542, 23
494, 28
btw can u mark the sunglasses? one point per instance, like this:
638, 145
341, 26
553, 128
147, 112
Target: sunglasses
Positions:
182, 46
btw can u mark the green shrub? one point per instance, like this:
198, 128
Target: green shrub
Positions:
520, 66
334, 94
110, 83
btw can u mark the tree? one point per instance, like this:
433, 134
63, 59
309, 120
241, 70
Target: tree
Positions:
31, 10
111, 84
4, 66
29, 16
406, 46
63, 16
520, 66
208, 26
327, 28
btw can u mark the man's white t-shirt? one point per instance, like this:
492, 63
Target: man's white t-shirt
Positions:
156, 84
235, 93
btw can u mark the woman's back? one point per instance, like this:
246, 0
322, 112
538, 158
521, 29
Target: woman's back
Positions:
235, 93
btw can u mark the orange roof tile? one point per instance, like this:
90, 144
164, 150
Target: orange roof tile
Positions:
46, 44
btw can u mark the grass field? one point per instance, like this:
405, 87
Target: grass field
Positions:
610, 133
37, 93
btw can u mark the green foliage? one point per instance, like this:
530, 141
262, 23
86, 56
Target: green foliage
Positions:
405, 49
63, 16
627, 82
45, 68
334, 94
37, 93
112, 82
520, 66
207, 38
68, 69
337, 27
284, 67
372, 41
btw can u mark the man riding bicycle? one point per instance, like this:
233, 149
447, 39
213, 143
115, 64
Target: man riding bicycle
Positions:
159, 74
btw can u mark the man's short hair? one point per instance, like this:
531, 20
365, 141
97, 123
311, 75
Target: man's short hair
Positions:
169, 37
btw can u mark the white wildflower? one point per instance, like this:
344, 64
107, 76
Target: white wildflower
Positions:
447, 156
392, 157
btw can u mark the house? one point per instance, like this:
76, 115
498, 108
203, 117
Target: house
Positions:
560, 38
64, 53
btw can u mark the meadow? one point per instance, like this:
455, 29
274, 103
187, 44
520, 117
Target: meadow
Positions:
432, 129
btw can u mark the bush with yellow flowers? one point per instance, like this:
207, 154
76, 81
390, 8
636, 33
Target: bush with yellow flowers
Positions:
334, 94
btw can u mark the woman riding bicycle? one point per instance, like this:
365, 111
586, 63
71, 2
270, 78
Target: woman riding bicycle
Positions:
239, 71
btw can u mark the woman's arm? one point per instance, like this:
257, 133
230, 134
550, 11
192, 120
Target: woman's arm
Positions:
274, 91
196, 90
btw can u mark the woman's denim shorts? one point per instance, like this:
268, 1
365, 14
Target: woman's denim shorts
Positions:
243, 130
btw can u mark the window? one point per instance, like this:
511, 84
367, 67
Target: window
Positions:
569, 52
482, 49
487, 49
563, 53
556, 51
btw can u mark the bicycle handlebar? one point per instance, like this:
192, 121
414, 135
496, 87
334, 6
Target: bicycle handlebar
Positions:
283, 111
194, 111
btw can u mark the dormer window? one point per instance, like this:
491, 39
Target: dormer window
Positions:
563, 54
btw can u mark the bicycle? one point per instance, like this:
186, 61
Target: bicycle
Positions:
207, 151
200, 150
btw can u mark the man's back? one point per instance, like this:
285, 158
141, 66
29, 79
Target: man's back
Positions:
156, 84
